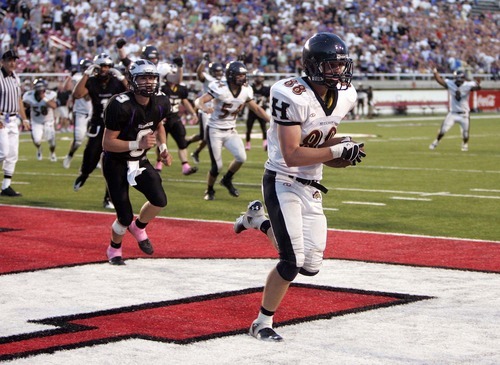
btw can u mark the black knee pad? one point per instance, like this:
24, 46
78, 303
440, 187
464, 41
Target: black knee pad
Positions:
307, 273
287, 270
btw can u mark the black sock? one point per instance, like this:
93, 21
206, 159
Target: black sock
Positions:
229, 175
139, 224
115, 245
266, 312
264, 227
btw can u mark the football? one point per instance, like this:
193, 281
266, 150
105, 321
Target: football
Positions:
336, 162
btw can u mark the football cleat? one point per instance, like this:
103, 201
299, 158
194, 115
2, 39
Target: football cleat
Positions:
465, 147
53, 157
196, 157
39, 155
189, 169
248, 146
433, 145
10, 192
67, 162
228, 184
108, 204
79, 182
260, 332
115, 256
253, 217
209, 194
142, 238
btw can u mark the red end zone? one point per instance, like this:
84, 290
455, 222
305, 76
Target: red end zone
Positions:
37, 238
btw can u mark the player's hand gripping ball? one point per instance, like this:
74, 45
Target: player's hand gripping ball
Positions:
351, 155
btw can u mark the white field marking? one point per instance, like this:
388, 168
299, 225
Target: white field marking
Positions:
487, 190
431, 169
409, 198
364, 203
332, 209
444, 193
232, 222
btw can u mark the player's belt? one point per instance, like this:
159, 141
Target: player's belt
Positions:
312, 183
458, 112
9, 114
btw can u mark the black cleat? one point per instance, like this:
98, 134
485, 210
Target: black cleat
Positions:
228, 184
146, 246
117, 260
10, 192
79, 182
196, 157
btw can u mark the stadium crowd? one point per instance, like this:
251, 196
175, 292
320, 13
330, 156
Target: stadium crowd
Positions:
384, 36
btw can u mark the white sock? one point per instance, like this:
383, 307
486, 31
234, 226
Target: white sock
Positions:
6, 182
267, 321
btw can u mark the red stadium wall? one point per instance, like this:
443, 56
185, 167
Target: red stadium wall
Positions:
485, 100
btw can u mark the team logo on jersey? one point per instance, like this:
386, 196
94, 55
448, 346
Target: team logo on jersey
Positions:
317, 195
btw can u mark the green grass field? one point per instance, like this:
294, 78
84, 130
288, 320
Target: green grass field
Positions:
401, 187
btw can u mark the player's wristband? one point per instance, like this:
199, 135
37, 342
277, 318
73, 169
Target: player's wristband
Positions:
163, 148
337, 150
133, 145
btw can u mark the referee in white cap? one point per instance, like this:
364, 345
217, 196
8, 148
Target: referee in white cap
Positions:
11, 109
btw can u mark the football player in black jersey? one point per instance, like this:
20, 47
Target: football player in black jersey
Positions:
134, 123
178, 95
261, 94
100, 81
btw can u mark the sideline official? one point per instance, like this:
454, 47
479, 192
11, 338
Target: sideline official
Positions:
11, 109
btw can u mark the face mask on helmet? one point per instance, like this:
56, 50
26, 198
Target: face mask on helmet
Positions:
84, 65
258, 76
326, 61
216, 70
150, 53
459, 76
236, 73
39, 85
144, 78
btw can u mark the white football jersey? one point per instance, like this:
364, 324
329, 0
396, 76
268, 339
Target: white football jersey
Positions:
294, 102
81, 105
459, 95
39, 111
226, 105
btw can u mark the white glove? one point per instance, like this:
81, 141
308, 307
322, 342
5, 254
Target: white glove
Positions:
91, 69
113, 71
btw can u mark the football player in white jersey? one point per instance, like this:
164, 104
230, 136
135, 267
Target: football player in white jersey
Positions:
306, 111
42, 103
215, 72
229, 98
82, 110
459, 90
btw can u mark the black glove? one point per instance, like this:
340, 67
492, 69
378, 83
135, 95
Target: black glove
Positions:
206, 57
178, 61
352, 152
120, 43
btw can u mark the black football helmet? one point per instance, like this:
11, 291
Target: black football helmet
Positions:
40, 84
85, 64
326, 61
459, 76
150, 53
215, 69
234, 69
144, 68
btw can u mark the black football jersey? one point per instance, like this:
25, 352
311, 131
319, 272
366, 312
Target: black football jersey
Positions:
100, 92
261, 95
175, 93
123, 113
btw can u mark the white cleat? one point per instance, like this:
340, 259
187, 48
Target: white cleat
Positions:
67, 162
433, 146
465, 147
53, 157
263, 333
253, 217
39, 155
